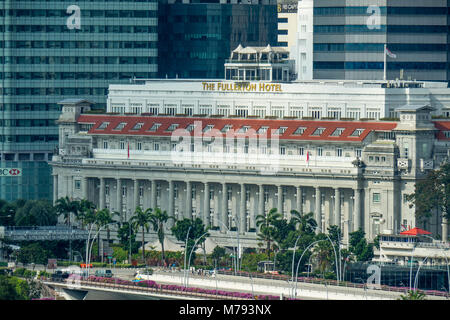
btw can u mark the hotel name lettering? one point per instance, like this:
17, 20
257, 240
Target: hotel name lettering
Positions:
241, 87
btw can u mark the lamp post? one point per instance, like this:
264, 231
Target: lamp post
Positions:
92, 244
185, 251
237, 244
192, 250
335, 254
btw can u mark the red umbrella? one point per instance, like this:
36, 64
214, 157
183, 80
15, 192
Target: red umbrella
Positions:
415, 232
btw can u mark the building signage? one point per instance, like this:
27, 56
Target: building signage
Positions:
10, 172
241, 87
287, 7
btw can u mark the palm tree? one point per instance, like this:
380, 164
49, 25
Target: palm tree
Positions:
86, 212
65, 207
305, 222
157, 219
323, 253
141, 219
267, 228
102, 218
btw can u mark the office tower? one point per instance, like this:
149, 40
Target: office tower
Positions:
287, 24
54, 51
196, 37
345, 39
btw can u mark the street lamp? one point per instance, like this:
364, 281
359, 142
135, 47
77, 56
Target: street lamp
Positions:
185, 251
235, 257
192, 250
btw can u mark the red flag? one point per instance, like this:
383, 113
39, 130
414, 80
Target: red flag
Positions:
128, 150
307, 156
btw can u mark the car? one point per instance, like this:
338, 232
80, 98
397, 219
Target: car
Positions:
104, 273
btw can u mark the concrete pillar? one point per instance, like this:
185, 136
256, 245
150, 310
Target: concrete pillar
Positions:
136, 194
206, 205
102, 199
224, 218
243, 211
337, 207
299, 200
153, 202
119, 199
318, 209
261, 200
55, 188
171, 199
280, 200
357, 210
188, 200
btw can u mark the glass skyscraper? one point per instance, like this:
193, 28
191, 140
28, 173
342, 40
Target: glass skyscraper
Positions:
197, 36
348, 39
54, 50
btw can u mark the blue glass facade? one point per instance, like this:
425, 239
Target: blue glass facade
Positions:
417, 32
46, 59
196, 38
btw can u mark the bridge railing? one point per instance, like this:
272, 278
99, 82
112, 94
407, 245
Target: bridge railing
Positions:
330, 282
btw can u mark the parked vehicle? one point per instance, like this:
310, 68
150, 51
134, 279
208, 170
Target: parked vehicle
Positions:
104, 273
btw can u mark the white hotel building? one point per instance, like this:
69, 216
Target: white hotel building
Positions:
227, 151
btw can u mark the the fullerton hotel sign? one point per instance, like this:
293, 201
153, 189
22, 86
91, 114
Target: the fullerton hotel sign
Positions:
241, 87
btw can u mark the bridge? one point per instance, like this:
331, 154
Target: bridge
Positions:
47, 233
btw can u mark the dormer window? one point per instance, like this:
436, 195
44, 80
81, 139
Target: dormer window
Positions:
208, 128
263, 129
154, 127
244, 129
190, 127
281, 130
120, 126
357, 133
103, 126
338, 132
227, 128
172, 127
299, 131
318, 132
137, 126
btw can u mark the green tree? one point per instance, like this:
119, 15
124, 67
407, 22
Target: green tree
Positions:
218, 254
267, 230
305, 223
141, 219
157, 219
126, 233
66, 207
102, 218
358, 246
432, 194
13, 288
36, 213
192, 229
33, 253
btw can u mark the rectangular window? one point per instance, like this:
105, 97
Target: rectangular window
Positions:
301, 151
124, 191
319, 152
376, 197
105, 144
77, 184
156, 146
139, 145
339, 152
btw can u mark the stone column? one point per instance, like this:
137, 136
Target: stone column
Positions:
84, 188
299, 200
171, 199
206, 206
261, 200
444, 229
102, 199
188, 200
357, 210
224, 218
243, 212
119, 199
280, 200
136, 193
153, 202
337, 207
318, 209
55, 188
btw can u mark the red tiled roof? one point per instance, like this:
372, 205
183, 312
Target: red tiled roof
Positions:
291, 126
442, 126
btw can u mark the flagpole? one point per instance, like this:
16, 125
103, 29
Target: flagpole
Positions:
385, 60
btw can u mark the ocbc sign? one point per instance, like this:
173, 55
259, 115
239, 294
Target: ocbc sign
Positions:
10, 172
